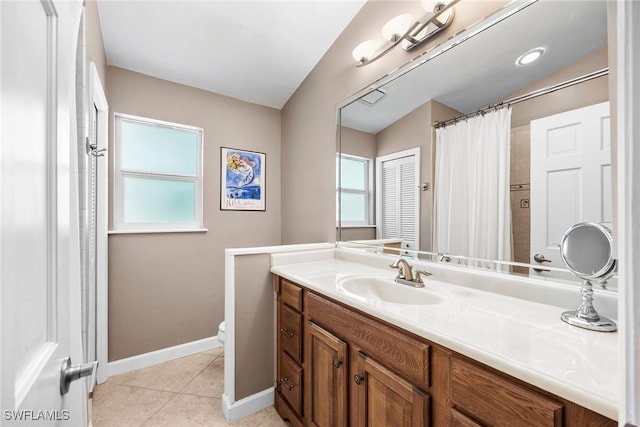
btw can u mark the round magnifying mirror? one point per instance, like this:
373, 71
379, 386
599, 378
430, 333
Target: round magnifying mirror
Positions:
587, 251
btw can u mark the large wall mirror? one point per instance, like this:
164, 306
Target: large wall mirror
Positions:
406, 181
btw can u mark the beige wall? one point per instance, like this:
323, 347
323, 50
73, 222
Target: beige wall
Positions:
167, 289
254, 325
358, 143
94, 41
309, 117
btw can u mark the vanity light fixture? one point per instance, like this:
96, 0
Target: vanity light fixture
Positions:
530, 56
403, 28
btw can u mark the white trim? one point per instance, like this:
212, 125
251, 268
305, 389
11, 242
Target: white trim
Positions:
280, 248
164, 355
229, 329
393, 156
171, 230
628, 204
98, 98
368, 191
233, 411
229, 403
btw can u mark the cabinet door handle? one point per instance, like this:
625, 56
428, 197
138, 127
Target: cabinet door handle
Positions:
358, 379
285, 382
337, 363
286, 332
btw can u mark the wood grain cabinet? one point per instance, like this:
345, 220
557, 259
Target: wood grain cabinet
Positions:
385, 399
289, 358
326, 372
492, 400
340, 367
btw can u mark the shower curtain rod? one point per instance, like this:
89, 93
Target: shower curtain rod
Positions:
525, 97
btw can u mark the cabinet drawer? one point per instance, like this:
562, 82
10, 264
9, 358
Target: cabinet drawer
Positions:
496, 401
291, 332
404, 354
291, 294
291, 383
458, 419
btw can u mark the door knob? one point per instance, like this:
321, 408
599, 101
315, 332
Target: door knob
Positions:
69, 373
540, 258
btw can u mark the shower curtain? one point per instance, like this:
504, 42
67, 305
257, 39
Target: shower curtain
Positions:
472, 198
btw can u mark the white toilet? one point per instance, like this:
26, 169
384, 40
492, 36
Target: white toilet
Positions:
221, 332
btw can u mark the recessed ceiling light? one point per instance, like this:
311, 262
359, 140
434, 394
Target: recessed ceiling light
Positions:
530, 56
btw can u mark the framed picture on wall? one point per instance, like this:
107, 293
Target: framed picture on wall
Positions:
243, 180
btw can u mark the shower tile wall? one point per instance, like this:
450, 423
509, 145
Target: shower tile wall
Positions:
520, 195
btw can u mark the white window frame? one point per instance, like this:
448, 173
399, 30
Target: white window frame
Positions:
368, 192
119, 225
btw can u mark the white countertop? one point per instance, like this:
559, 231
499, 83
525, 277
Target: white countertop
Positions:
522, 338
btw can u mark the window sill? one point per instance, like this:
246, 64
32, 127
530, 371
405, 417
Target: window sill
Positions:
358, 226
168, 230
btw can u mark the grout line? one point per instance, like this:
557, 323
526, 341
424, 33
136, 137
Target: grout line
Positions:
197, 375
159, 409
200, 395
148, 388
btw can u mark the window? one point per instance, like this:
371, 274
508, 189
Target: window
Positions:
158, 175
354, 190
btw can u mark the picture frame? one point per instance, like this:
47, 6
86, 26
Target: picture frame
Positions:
242, 180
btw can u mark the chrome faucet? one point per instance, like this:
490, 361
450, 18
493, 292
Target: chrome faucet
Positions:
406, 275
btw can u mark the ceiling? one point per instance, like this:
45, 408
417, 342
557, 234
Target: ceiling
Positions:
258, 51
482, 70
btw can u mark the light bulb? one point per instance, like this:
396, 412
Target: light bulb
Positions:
365, 50
396, 27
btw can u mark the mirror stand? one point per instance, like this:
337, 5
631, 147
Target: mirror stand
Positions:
586, 316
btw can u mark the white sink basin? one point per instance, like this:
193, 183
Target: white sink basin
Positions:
382, 288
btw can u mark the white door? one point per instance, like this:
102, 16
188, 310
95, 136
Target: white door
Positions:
570, 177
398, 198
39, 247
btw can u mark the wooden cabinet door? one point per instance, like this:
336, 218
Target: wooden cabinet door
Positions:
326, 378
385, 399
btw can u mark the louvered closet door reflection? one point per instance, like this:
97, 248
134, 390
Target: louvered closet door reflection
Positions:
399, 201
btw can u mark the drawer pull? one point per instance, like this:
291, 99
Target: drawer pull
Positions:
337, 363
286, 384
358, 379
286, 332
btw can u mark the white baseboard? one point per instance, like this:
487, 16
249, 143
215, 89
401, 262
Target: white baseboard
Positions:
159, 356
233, 411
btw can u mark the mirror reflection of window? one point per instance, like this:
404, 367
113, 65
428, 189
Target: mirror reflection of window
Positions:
354, 197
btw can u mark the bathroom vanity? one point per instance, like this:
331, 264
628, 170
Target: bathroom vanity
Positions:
355, 348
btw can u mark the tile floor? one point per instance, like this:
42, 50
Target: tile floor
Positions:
185, 392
